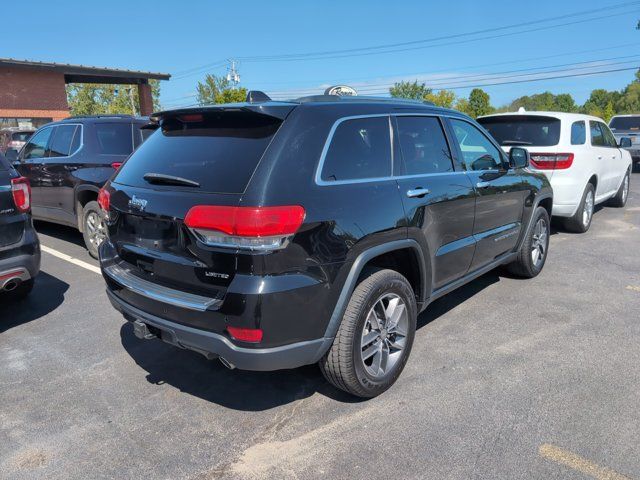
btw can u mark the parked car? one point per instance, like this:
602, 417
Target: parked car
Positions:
627, 126
272, 235
19, 245
577, 153
68, 161
14, 138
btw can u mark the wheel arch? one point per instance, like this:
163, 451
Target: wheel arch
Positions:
83, 195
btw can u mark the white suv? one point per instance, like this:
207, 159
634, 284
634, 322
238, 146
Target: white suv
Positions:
578, 153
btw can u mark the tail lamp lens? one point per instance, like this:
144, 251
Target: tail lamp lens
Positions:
104, 199
252, 335
21, 190
552, 161
251, 228
116, 165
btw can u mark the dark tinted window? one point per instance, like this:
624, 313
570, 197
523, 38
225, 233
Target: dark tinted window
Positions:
424, 146
60, 145
114, 138
578, 133
478, 152
77, 139
609, 139
360, 148
21, 136
4, 163
514, 130
625, 123
220, 151
37, 146
597, 139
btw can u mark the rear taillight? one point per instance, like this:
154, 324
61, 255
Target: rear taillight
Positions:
21, 190
551, 161
104, 199
116, 165
252, 335
251, 228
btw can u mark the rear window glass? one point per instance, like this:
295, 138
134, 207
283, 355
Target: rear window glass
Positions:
219, 150
360, 148
114, 138
514, 130
21, 136
625, 123
578, 133
423, 145
60, 145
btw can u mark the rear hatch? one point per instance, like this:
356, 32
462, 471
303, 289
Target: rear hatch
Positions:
627, 126
196, 157
11, 221
537, 133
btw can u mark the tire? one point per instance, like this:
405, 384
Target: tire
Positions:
21, 291
344, 364
581, 220
533, 251
620, 200
93, 227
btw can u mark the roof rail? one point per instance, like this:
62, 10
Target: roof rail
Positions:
115, 115
345, 98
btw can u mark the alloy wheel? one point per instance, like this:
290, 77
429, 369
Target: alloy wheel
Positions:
384, 335
587, 211
539, 242
625, 188
96, 229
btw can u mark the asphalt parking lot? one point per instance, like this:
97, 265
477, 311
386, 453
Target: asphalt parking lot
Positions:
507, 379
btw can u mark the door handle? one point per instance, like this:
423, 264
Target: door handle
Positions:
417, 192
483, 184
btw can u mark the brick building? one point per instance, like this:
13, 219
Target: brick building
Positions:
33, 93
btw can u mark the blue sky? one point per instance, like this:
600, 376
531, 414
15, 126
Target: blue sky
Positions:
175, 37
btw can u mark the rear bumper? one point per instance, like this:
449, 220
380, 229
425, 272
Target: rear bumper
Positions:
214, 345
24, 254
567, 195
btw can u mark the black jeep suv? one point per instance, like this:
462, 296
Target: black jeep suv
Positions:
278, 234
19, 245
67, 162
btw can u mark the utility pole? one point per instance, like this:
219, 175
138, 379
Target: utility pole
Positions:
232, 73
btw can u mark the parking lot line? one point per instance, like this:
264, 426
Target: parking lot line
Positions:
578, 463
70, 259
634, 288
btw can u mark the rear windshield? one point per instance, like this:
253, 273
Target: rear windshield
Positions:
510, 130
625, 123
219, 150
21, 136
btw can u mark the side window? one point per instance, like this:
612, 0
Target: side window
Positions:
597, 139
360, 149
578, 133
477, 151
609, 139
423, 145
77, 140
114, 138
37, 146
60, 144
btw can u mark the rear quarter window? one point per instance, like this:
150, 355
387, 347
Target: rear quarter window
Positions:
219, 150
525, 130
578, 133
113, 138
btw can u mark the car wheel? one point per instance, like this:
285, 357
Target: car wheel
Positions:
94, 229
620, 200
581, 220
375, 337
533, 251
21, 291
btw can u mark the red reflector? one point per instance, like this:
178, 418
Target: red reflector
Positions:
552, 161
194, 117
104, 199
21, 190
246, 221
116, 165
253, 335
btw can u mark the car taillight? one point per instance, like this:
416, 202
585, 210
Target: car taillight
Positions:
21, 190
551, 161
116, 165
251, 228
253, 335
104, 199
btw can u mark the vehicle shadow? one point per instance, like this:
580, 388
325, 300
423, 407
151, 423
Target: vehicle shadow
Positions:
209, 380
62, 232
47, 295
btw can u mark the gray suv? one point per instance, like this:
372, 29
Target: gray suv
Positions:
627, 126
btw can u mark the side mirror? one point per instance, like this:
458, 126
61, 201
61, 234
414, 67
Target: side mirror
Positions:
625, 142
11, 155
519, 157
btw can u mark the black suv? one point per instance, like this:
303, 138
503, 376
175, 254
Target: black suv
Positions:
68, 161
278, 234
19, 246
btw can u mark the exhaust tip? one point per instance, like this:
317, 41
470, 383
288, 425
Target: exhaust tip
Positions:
227, 363
11, 285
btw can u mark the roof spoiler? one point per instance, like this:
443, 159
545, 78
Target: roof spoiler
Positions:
276, 110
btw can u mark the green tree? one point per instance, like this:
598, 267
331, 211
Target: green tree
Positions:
412, 90
565, 103
101, 99
218, 90
444, 98
479, 103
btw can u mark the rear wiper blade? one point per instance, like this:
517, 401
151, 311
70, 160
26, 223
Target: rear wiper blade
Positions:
163, 179
515, 142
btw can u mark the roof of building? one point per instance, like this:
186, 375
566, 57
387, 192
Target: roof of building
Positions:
86, 73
